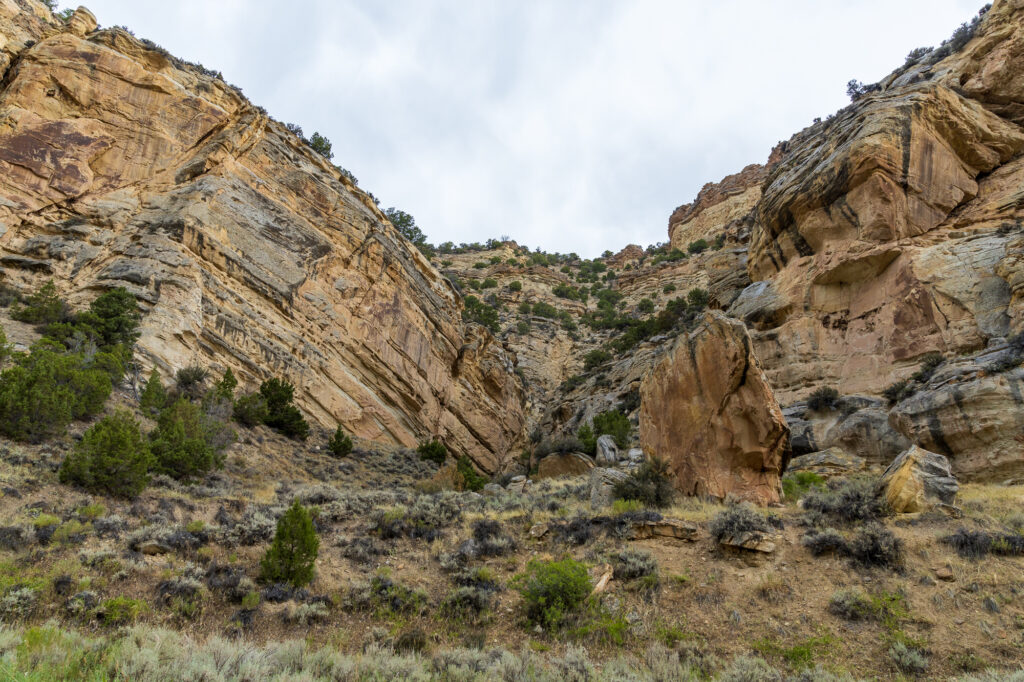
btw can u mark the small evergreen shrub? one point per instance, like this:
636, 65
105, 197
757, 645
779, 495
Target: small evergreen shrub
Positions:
250, 410
552, 590
471, 479
190, 380
282, 415
43, 306
294, 550
649, 484
595, 358
340, 444
47, 389
154, 395
113, 458
225, 388
184, 443
697, 246
698, 299
614, 423
645, 305
433, 450
515, 286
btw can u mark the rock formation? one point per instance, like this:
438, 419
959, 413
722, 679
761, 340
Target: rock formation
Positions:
123, 166
708, 410
918, 479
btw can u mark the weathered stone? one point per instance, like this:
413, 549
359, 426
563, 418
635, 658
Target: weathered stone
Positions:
976, 422
121, 166
753, 541
152, 548
602, 486
607, 451
867, 433
492, 489
539, 530
918, 479
636, 456
665, 528
828, 463
708, 410
563, 464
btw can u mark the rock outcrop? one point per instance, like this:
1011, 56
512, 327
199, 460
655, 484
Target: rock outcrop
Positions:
918, 479
123, 166
708, 409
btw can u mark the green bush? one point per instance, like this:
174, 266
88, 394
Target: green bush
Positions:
798, 483
282, 415
697, 246
113, 458
650, 484
41, 307
225, 388
824, 398
340, 445
698, 298
587, 439
121, 610
552, 590
45, 390
489, 283
479, 312
645, 305
183, 443
250, 410
473, 480
515, 286
113, 317
191, 380
595, 358
154, 395
668, 288
433, 450
294, 550
616, 424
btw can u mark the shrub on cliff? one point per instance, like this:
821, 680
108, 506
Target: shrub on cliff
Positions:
185, 442
41, 307
433, 450
615, 424
340, 445
477, 311
113, 458
282, 415
824, 398
471, 479
294, 550
47, 389
321, 145
250, 410
154, 395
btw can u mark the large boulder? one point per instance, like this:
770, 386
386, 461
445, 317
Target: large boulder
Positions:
602, 486
607, 451
707, 409
563, 464
975, 419
918, 479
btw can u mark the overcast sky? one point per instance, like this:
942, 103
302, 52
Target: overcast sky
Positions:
573, 126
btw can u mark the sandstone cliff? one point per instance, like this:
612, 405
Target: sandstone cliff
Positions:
122, 166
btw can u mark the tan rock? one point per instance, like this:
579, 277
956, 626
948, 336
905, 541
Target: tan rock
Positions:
708, 410
828, 463
676, 529
567, 464
120, 166
917, 480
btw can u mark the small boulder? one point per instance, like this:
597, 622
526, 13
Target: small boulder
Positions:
665, 528
919, 479
563, 464
492, 489
828, 463
636, 456
153, 548
602, 486
607, 451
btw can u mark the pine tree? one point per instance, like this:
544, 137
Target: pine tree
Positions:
154, 395
225, 388
340, 444
291, 556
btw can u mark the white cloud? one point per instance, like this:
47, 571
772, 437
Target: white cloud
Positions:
575, 126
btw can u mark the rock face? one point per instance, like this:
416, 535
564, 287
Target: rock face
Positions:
708, 410
602, 485
828, 463
976, 420
568, 464
917, 479
122, 166
607, 451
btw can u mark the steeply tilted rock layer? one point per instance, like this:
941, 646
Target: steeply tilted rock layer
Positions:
122, 166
